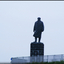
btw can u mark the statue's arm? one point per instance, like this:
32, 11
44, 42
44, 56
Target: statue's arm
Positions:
42, 26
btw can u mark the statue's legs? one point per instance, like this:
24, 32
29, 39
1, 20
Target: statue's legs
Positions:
35, 39
39, 39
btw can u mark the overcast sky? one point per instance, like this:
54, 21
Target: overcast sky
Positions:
17, 19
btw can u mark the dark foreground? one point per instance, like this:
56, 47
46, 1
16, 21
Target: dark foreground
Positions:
61, 62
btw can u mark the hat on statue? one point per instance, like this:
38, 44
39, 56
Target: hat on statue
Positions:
38, 18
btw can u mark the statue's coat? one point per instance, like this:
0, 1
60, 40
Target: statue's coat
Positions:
38, 28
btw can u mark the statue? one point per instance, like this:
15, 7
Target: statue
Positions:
38, 29
37, 49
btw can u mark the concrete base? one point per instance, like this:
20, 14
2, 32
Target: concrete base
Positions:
36, 49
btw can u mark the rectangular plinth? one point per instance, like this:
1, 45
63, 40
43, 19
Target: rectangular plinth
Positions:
36, 49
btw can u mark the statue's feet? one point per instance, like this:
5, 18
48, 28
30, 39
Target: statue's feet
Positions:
39, 42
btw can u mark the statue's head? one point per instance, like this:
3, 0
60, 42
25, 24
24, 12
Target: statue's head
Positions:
39, 18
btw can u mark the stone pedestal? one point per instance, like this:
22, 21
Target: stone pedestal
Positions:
36, 51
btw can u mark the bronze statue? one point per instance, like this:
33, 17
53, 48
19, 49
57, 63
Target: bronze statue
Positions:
38, 29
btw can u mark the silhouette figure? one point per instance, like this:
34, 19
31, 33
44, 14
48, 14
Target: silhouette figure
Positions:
38, 29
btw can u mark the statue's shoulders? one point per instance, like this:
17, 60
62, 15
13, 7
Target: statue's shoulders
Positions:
39, 22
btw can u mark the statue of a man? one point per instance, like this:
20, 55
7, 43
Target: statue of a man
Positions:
38, 29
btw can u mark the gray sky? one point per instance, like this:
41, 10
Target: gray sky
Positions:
17, 19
